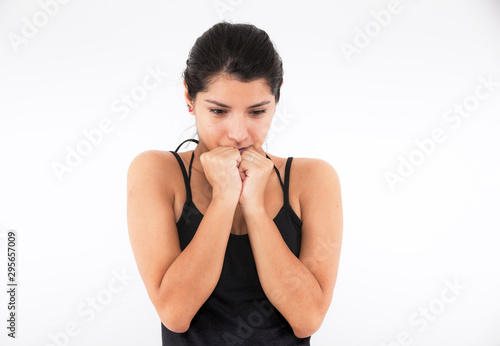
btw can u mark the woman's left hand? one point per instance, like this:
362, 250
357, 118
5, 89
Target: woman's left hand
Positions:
255, 176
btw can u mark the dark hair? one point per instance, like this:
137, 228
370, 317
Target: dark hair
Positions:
242, 51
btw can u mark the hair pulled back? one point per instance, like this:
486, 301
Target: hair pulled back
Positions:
239, 50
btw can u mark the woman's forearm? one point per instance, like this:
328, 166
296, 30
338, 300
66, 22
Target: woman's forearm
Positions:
192, 277
286, 281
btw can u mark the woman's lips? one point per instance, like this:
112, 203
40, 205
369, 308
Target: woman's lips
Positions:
242, 150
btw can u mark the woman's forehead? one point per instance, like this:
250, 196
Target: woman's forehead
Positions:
230, 89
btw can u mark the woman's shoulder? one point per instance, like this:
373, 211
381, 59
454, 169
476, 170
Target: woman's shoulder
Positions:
313, 177
308, 171
313, 172
152, 157
156, 166
312, 163
304, 165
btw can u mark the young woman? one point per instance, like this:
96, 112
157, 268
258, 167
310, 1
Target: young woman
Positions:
231, 253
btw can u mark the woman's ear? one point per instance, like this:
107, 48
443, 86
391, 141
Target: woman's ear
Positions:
186, 94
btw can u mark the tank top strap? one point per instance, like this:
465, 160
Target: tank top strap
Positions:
187, 178
287, 179
279, 176
187, 140
286, 184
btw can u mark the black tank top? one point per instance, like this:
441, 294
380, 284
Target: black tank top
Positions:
238, 311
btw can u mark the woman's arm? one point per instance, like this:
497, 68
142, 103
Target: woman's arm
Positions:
178, 283
302, 288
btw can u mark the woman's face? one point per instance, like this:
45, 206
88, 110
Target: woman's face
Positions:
233, 113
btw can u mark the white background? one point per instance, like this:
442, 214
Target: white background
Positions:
363, 113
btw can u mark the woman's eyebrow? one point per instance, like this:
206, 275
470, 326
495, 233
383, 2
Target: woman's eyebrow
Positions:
223, 105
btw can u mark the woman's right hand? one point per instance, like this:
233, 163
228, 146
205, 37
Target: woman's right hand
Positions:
221, 170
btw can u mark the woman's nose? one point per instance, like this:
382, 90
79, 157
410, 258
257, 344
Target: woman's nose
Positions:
237, 128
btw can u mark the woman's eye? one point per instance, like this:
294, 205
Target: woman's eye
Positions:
259, 112
219, 111
216, 111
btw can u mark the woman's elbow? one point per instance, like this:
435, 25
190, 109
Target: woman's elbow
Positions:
174, 322
308, 327
172, 316
302, 333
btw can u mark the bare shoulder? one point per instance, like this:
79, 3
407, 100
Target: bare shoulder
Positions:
314, 172
152, 167
151, 157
